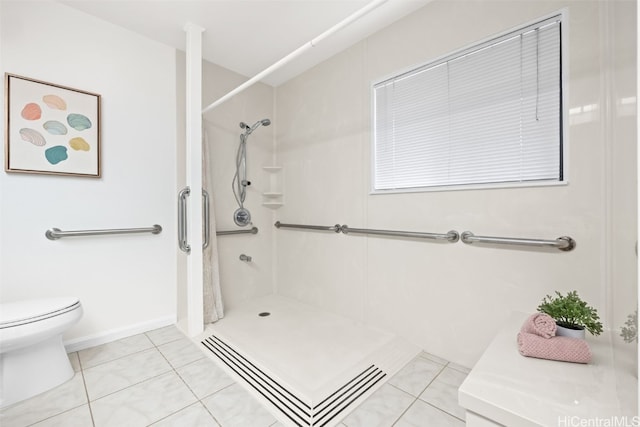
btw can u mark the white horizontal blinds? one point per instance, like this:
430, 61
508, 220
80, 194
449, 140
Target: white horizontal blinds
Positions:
489, 115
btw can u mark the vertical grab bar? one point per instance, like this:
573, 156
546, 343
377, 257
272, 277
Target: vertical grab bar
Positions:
207, 223
182, 220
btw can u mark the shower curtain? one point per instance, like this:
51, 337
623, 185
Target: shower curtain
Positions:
212, 297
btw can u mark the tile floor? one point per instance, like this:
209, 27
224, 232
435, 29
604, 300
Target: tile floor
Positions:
161, 378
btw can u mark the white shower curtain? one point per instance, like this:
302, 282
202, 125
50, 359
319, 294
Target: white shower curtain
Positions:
212, 297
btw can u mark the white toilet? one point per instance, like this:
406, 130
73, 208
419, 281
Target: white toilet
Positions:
32, 356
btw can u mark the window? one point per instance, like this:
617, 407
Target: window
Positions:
488, 115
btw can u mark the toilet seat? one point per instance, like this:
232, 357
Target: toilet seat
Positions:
29, 311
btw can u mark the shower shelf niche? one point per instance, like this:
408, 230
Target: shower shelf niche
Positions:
272, 197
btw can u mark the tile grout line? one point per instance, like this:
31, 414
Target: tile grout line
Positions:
75, 407
154, 347
177, 374
117, 358
86, 390
441, 410
416, 398
209, 395
423, 401
198, 400
433, 405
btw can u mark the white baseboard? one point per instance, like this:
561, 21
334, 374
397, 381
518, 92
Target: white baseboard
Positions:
116, 334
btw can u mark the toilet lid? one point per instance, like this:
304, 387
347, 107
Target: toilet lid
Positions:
27, 311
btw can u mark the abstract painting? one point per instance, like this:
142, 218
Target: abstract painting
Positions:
51, 129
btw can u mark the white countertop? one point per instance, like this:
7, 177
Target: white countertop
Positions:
514, 390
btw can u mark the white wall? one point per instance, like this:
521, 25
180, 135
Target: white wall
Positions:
620, 19
123, 282
449, 299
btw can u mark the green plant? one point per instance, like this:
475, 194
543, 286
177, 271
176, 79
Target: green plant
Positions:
571, 312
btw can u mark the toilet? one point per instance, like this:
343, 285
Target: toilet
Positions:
32, 356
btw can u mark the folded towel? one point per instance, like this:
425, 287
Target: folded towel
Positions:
540, 324
557, 348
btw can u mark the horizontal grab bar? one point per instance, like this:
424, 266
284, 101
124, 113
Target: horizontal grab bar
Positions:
253, 230
564, 243
56, 233
334, 228
452, 236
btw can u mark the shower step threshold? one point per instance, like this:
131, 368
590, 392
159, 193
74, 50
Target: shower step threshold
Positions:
308, 367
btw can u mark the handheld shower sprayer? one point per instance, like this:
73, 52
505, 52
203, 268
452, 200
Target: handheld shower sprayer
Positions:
241, 216
249, 129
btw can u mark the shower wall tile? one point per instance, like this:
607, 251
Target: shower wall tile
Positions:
320, 140
240, 280
420, 290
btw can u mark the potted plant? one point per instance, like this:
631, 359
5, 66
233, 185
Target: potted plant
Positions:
572, 315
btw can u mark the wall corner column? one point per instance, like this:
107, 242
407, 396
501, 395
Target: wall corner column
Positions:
194, 176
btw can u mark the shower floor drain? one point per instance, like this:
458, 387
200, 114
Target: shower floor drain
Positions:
264, 314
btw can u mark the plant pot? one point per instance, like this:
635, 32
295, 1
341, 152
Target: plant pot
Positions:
571, 331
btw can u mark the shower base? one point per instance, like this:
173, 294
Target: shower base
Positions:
308, 367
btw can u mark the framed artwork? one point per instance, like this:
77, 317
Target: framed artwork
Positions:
51, 129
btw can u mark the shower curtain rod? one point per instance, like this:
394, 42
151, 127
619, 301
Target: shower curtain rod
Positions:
313, 43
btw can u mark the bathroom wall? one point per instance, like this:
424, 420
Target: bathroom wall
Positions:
239, 280
620, 80
126, 283
452, 298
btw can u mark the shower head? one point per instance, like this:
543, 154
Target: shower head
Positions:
248, 129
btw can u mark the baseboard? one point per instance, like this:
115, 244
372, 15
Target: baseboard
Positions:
116, 334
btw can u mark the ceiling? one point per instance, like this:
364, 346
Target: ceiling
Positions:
247, 36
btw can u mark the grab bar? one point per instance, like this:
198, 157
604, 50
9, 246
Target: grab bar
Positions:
56, 233
182, 220
334, 228
207, 222
452, 236
564, 243
253, 230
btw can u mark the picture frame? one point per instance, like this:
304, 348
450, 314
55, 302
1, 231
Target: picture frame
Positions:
51, 129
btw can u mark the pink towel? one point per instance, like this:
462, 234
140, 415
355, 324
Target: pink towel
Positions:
557, 348
540, 324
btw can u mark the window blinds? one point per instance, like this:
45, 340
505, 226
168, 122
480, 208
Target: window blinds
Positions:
490, 114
